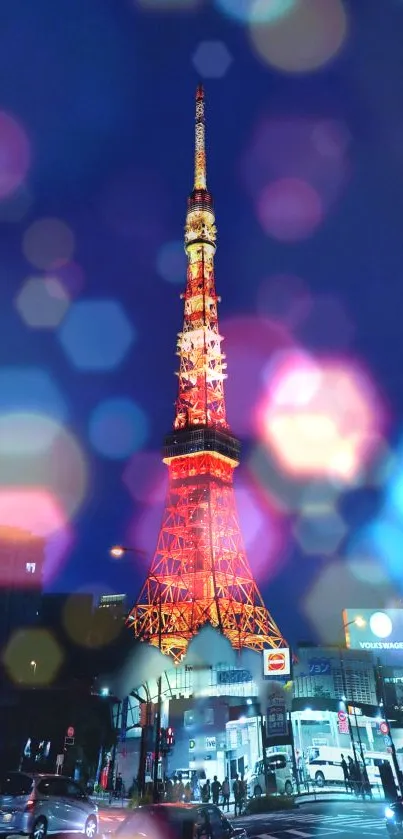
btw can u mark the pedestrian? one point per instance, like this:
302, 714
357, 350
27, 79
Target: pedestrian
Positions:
243, 793
353, 775
206, 794
236, 789
225, 791
346, 775
188, 793
215, 789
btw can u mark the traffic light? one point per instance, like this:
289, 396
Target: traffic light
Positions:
170, 737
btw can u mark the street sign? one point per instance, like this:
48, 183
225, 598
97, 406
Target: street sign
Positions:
277, 717
387, 740
384, 728
343, 722
276, 662
70, 731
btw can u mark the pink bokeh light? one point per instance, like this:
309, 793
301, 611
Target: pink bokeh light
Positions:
321, 417
250, 342
33, 509
15, 156
289, 209
262, 527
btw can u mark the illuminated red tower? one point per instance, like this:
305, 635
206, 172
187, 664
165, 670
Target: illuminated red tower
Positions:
200, 573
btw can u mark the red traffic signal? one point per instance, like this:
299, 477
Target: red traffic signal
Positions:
170, 737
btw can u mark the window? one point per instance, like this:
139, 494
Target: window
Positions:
55, 787
73, 790
15, 783
30, 567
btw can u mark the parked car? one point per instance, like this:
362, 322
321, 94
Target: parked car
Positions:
36, 805
279, 764
178, 821
394, 818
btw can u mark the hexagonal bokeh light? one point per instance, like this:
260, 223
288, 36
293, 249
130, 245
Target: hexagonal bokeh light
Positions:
320, 417
33, 657
171, 262
96, 334
118, 427
212, 59
42, 302
320, 534
15, 155
289, 209
251, 11
46, 241
304, 39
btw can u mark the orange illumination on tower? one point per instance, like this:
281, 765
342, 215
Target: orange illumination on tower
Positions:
200, 573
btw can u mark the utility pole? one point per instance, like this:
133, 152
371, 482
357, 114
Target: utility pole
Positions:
157, 744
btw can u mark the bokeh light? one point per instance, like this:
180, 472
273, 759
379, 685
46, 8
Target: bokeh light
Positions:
70, 275
46, 241
42, 302
262, 529
31, 508
30, 390
250, 11
146, 477
171, 262
289, 209
42, 464
117, 428
212, 59
320, 534
304, 39
33, 657
249, 343
87, 628
169, 5
96, 334
320, 417
15, 156
334, 587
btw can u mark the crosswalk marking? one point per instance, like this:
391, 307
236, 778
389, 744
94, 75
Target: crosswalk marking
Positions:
299, 833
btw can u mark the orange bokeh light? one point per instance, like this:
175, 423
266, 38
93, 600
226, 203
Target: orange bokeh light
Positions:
319, 417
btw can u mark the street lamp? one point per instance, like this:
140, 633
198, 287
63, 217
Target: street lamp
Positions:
360, 622
118, 551
33, 664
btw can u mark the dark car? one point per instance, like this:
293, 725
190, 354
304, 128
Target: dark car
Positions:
178, 821
394, 818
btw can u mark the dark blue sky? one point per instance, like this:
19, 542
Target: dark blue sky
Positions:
104, 91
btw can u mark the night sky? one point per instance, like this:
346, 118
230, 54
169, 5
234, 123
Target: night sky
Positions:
304, 103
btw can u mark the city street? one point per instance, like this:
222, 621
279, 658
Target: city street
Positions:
346, 820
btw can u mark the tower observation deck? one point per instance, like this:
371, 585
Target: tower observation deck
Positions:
200, 573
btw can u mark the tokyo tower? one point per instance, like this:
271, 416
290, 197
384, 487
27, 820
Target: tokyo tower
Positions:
200, 573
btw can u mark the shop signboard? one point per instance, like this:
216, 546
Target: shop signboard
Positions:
233, 677
210, 744
319, 667
342, 720
277, 662
378, 631
276, 717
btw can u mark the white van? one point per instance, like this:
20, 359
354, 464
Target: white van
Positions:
324, 765
279, 763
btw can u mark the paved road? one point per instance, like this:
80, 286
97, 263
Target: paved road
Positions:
344, 820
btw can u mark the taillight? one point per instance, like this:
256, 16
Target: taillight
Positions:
29, 806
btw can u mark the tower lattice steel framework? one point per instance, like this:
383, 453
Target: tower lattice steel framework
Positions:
200, 573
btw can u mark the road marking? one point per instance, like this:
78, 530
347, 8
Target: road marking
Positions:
265, 836
299, 833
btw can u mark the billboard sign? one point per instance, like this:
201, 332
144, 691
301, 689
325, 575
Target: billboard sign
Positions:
277, 662
319, 667
381, 632
276, 717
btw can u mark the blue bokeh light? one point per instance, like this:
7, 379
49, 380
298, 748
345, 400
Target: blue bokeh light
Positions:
171, 262
256, 11
30, 390
118, 427
96, 334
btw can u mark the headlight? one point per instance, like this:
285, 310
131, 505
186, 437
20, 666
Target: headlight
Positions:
389, 813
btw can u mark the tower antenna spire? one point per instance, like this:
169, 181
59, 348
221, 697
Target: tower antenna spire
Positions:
200, 181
